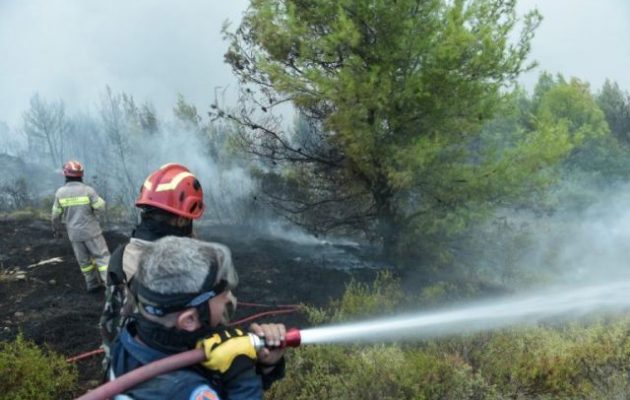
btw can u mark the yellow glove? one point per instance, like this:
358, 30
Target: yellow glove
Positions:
228, 352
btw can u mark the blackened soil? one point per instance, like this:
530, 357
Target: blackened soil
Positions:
49, 304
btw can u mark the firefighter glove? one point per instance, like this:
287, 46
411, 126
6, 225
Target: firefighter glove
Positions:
229, 352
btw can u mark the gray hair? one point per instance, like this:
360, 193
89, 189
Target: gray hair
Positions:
173, 265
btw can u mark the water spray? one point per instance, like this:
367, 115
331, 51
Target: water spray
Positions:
481, 316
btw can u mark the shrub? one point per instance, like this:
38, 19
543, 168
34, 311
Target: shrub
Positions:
587, 360
28, 372
359, 299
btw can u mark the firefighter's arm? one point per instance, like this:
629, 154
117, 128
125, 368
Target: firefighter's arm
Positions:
96, 202
55, 218
229, 352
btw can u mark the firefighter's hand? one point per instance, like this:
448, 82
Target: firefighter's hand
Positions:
273, 335
228, 352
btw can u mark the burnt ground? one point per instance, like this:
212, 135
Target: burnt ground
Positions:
49, 304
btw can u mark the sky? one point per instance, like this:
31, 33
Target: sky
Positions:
155, 49
588, 39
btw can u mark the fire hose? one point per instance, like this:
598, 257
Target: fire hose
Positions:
184, 359
279, 309
171, 363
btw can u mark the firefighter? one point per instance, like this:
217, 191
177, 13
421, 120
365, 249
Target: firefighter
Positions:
170, 199
76, 205
183, 295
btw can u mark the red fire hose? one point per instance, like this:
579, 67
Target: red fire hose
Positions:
133, 378
122, 383
280, 309
84, 355
181, 360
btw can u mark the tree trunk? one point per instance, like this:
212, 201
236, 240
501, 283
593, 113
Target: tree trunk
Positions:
389, 224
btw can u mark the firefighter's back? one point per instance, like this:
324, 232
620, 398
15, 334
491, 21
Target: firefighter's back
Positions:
78, 202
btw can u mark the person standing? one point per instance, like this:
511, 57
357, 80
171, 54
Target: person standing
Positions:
75, 206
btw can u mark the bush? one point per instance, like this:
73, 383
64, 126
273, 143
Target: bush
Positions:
28, 372
573, 361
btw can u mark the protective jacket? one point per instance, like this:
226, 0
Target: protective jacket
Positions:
76, 203
191, 383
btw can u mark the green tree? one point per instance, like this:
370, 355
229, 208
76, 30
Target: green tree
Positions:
615, 103
573, 105
398, 92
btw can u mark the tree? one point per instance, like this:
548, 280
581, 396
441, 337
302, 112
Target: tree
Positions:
398, 92
572, 104
186, 113
47, 127
119, 115
615, 103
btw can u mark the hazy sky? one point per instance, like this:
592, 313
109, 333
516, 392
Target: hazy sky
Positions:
588, 39
154, 49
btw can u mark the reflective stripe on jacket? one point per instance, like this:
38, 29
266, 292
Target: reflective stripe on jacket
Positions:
75, 202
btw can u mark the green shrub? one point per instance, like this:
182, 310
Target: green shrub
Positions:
377, 372
361, 300
570, 361
575, 361
28, 372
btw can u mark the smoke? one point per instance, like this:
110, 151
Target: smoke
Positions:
588, 245
71, 49
579, 256
228, 186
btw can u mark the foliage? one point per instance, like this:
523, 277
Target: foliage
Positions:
361, 299
396, 96
615, 103
29, 372
407, 129
599, 159
574, 361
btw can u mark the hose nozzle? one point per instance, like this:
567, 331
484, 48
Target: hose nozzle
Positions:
293, 338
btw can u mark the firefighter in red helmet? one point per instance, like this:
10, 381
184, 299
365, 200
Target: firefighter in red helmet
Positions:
76, 205
170, 199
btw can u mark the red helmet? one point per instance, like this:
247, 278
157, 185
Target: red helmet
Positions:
175, 189
73, 169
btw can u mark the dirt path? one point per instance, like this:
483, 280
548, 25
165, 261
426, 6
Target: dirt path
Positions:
48, 302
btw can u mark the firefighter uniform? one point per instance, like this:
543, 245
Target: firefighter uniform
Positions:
75, 205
